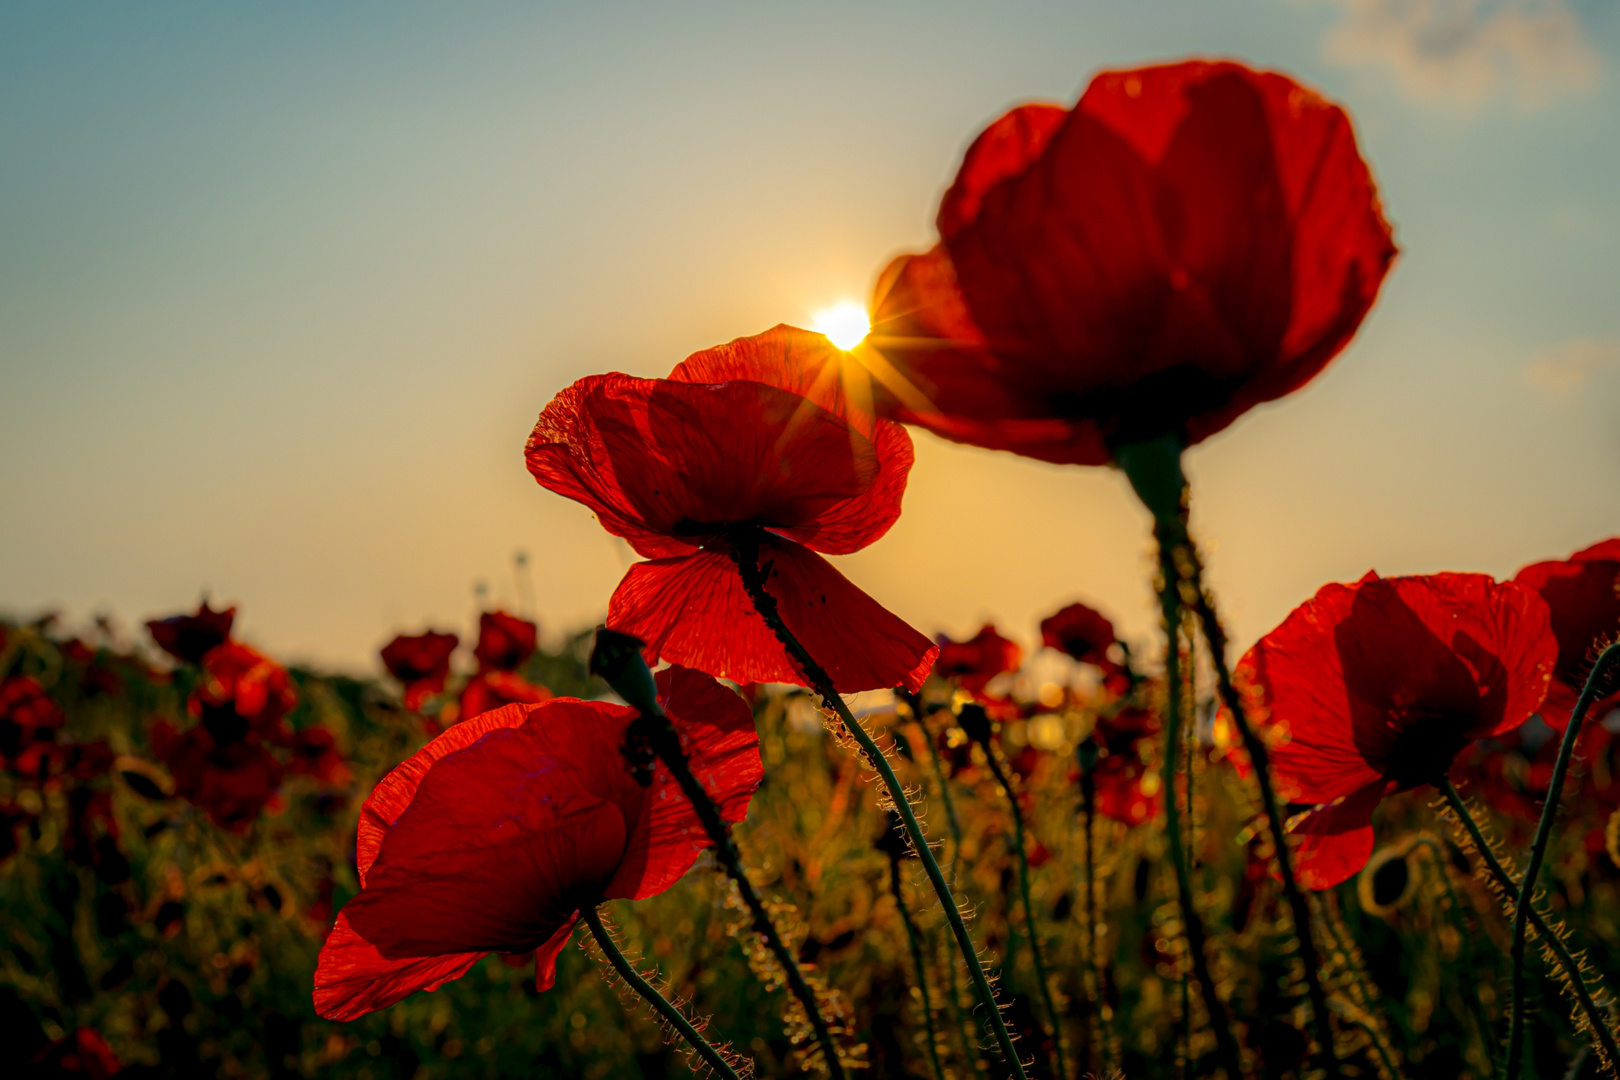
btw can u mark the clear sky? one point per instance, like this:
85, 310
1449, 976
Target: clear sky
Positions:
283, 287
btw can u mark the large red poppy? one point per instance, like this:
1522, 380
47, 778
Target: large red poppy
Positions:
1376, 687
974, 662
683, 469
188, 638
1185, 243
1583, 594
421, 662
504, 641
493, 835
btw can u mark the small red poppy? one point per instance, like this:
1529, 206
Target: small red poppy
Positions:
233, 782
1376, 687
83, 1053
504, 641
974, 662
188, 638
1082, 632
1188, 241
683, 469
315, 754
421, 662
493, 689
493, 835
243, 693
1583, 594
1127, 789
30, 725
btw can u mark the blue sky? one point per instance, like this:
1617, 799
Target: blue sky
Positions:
282, 289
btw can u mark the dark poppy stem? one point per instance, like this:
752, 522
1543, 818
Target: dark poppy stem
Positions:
712, 1057
617, 658
1029, 908
914, 939
1170, 598
1595, 1016
1215, 635
1538, 851
745, 550
1087, 754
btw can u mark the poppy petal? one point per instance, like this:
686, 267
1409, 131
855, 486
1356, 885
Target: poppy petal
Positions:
545, 956
694, 611
353, 978
1336, 840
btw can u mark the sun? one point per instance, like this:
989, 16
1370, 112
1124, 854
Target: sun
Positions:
845, 324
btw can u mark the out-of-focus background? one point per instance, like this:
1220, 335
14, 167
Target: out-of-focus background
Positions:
282, 289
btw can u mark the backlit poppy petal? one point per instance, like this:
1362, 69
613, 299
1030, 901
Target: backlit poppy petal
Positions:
1583, 595
354, 978
694, 611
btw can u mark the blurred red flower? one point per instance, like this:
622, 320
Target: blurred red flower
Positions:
232, 782
493, 836
689, 472
30, 723
974, 662
83, 1053
1187, 242
1082, 632
1127, 790
188, 638
315, 754
504, 641
421, 662
242, 693
1377, 686
1583, 594
492, 689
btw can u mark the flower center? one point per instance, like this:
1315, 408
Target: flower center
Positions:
1424, 749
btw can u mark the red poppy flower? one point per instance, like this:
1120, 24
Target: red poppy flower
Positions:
1583, 594
83, 1053
1185, 243
243, 693
493, 835
1377, 686
1082, 632
232, 782
974, 662
504, 641
683, 470
493, 689
30, 723
188, 638
421, 662
1127, 790
315, 754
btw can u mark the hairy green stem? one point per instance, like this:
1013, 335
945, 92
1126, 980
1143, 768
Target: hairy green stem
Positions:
1029, 908
913, 938
1538, 850
1595, 1017
745, 550
650, 994
618, 659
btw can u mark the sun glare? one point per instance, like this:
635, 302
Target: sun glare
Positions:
845, 324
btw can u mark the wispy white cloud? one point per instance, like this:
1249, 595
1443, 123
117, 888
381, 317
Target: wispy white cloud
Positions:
1466, 52
1565, 368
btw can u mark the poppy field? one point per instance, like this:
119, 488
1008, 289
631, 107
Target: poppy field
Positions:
756, 824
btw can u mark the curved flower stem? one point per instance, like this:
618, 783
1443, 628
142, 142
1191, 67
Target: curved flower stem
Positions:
1170, 599
1029, 909
913, 938
1538, 850
650, 994
1595, 1017
1215, 635
618, 659
745, 550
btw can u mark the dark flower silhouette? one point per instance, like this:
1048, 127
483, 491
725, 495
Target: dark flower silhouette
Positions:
504, 641
30, 727
1376, 687
493, 836
974, 662
421, 662
188, 638
1187, 242
232, 781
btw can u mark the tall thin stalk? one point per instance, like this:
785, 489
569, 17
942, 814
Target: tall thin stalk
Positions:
1087, 755
617, 658
745, 551
1596, 1017
672, 1015
1538, 851
914, 939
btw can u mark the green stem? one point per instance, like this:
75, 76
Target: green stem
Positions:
1572, 969
917, 959
745, 550
1029, 908
1087, 753
1215, 635
650, 994
1538, 851
1170, 599
618, 659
